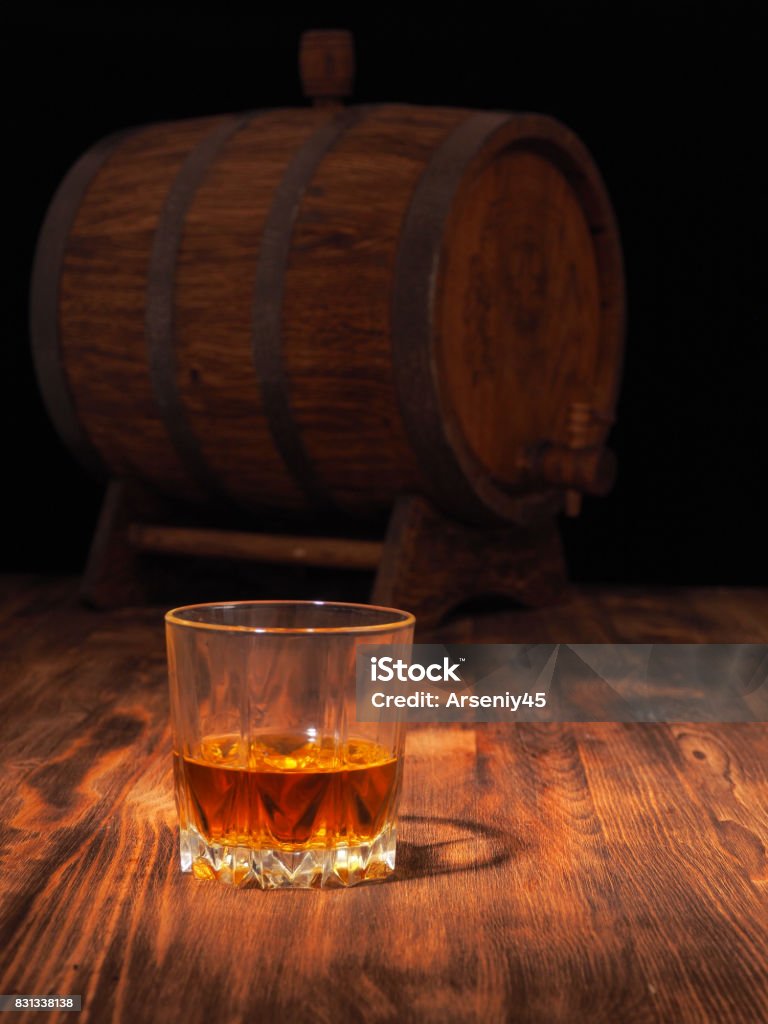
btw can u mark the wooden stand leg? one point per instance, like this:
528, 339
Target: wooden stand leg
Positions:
431, 564
428, 564
114, 573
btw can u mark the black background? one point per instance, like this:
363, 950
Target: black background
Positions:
667, 97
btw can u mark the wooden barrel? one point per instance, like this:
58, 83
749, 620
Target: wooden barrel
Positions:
324, 308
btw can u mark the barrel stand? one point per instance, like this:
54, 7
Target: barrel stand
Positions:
426, 563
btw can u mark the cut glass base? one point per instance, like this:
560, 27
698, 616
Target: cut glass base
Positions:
318, 868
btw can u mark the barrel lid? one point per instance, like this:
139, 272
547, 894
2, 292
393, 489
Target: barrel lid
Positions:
529, 305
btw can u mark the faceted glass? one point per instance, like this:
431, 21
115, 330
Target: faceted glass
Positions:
277, 784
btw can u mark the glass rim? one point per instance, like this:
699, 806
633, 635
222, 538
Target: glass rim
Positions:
403, 621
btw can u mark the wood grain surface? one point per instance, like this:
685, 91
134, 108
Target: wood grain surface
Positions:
546, 873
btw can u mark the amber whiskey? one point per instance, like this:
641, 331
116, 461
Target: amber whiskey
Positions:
288, 791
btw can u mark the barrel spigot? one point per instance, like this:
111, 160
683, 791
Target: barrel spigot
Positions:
579, 466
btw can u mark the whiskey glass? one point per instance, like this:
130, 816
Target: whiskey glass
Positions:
277, 784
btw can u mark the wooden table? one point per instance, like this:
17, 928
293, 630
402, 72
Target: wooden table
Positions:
558, 873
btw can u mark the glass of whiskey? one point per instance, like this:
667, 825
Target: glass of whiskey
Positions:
277, 785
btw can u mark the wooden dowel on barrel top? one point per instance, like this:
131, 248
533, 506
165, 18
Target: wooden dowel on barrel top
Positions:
327, 66
325, 552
